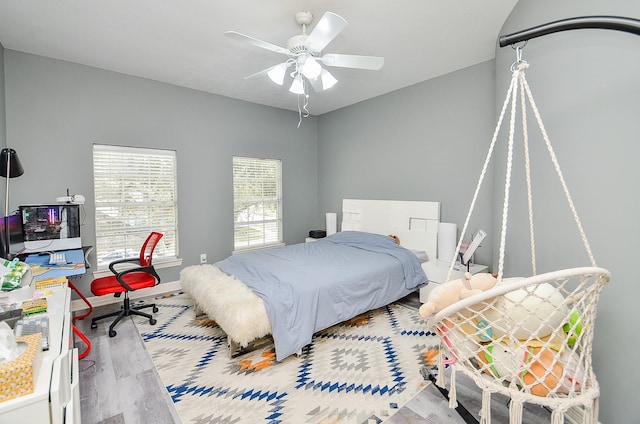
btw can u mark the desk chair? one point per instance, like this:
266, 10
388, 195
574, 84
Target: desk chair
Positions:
126, 279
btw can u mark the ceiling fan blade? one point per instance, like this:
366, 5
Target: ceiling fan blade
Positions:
254, 41
371, 63
327, 28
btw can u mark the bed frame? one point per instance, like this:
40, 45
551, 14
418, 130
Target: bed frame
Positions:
415, 223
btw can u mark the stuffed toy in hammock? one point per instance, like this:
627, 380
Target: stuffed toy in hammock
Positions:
450, 292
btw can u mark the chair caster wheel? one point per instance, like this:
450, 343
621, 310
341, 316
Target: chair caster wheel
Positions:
152, 321
112, 333
94, 325
155, 309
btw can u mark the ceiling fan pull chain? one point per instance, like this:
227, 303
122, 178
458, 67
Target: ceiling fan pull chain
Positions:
303, 111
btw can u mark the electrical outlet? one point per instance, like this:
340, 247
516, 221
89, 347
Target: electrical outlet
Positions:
203, 258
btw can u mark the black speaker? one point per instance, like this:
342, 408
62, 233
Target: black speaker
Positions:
317, 233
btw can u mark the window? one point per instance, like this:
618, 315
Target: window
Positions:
257, 202
135, 193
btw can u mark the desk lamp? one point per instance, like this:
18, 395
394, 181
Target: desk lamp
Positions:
10, 167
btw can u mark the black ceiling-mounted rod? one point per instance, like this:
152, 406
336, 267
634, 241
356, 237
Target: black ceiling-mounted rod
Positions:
616, 23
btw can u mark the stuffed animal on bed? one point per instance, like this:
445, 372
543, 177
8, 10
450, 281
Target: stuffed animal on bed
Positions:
454, 290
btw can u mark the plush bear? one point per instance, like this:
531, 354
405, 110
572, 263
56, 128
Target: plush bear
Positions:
454, 290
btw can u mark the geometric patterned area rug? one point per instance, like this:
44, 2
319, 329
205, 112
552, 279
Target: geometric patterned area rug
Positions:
359, 371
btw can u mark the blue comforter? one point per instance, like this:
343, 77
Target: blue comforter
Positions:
308, 287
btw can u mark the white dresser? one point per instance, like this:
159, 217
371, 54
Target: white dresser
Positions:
56, 396
437, 274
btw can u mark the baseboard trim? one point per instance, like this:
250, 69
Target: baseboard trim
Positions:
172, 286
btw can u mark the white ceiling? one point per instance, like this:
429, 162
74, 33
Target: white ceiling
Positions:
181, 42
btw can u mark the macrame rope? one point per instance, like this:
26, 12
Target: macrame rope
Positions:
595, 411
440, 380
527, 168
557, 416
485, 411
507, 181
515, 411
483, 173
453, 397
554, 159
518, 78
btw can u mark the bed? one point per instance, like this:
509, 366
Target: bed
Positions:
290, 293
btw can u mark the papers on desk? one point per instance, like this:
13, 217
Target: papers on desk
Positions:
51, 284
39, 269
42, 269
11, 273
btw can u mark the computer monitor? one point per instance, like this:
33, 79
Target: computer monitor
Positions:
50, 227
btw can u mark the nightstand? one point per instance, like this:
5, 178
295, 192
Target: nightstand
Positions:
437, 273
310, 239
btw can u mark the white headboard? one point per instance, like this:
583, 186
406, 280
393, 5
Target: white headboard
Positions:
415, 223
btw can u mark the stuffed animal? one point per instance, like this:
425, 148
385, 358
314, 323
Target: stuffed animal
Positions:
575, 374
528, 313
537, 369
454, 290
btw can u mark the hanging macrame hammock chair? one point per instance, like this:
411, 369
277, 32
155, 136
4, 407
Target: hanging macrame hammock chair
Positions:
527, 338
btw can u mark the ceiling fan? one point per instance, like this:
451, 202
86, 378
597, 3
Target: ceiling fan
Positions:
304, 54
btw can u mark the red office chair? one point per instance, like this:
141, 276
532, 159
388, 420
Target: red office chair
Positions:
129, 279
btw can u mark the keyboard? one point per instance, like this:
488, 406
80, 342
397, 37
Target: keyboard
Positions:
34, 324
57, 258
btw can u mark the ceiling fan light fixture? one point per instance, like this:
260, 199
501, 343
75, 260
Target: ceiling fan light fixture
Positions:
311, 68
276, 73
297, 86
328, 80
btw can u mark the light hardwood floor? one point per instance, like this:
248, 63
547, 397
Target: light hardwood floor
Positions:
119, 385
118, 382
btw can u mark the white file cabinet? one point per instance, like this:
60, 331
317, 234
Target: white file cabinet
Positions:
437, 274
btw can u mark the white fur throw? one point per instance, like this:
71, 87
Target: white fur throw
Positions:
228, 301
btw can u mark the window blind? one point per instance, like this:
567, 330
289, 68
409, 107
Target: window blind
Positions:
135, 193
257, 202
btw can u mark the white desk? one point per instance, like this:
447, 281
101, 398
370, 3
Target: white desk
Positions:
56, 396
437, 274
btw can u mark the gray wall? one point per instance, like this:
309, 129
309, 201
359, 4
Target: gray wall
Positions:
56, 110
586, 86
425, 142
